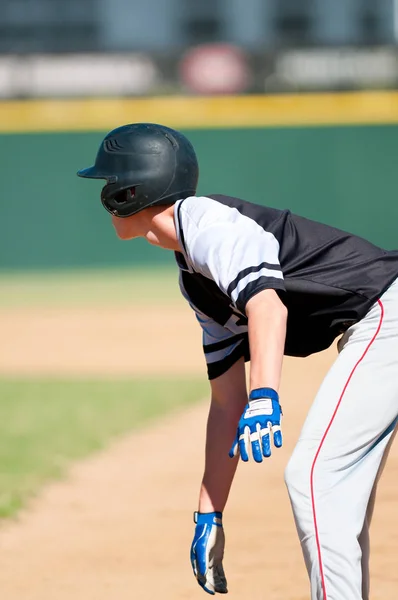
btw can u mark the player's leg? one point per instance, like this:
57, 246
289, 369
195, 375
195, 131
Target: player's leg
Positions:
332, 472
364, 541
331, 526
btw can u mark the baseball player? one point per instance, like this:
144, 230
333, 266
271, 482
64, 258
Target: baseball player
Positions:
265, 283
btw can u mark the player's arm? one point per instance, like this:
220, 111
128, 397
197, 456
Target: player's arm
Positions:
267, 316
225, 352
261, 417
228, 397
243, 259
267, 329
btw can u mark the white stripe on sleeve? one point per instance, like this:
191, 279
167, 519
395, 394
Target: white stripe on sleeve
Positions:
253, 277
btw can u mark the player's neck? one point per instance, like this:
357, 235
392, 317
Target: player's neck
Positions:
155, 224
160, 228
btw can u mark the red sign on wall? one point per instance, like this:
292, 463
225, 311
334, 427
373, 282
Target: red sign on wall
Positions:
215, 69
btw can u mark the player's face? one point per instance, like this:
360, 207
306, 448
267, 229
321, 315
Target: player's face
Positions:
128, 228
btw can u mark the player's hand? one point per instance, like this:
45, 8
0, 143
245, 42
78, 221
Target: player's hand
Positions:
261, 417
207, 552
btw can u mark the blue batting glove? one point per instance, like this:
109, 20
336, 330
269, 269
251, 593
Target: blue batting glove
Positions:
262, 415
207, 552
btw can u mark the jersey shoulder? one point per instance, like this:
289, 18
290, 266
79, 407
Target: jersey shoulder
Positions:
204, 211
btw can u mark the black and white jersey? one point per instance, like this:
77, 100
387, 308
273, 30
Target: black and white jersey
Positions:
232, 249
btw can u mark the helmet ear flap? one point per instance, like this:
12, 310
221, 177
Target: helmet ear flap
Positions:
108, 193
124, 196
118, 202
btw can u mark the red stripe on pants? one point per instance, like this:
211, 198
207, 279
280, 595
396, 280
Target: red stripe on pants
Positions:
318, 544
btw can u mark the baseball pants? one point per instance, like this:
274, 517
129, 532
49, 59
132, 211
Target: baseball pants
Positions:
333, 472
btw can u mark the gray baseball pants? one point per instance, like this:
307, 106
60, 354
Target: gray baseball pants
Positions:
333, 472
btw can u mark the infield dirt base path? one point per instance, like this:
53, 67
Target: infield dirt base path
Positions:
120, 526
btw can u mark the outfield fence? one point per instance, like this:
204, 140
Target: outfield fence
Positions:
330, 157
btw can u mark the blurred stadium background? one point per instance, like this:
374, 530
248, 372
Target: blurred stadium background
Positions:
230, 74
289, 103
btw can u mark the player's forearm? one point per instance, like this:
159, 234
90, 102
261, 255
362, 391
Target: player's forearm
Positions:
219, 468
267, 318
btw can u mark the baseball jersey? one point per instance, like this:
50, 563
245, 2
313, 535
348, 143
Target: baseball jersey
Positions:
232, 249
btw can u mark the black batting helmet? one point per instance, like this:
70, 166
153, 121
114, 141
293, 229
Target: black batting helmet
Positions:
144, 164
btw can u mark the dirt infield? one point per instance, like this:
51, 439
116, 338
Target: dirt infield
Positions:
99, 341
120, 525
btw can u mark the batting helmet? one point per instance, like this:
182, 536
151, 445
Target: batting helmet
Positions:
144, 164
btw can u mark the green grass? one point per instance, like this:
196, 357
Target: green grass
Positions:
87, 287
47, 424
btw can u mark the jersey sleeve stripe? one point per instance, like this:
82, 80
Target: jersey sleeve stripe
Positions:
264, 273
223, 343
248, 270
256, 286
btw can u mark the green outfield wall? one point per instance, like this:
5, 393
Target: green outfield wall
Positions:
342, 174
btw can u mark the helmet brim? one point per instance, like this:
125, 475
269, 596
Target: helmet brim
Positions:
91, 173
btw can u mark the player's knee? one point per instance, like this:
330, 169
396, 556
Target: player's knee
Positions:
297, 475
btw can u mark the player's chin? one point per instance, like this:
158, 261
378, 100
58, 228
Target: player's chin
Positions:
123, 228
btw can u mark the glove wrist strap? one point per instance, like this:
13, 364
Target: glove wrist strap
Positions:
211, 518
264, 393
